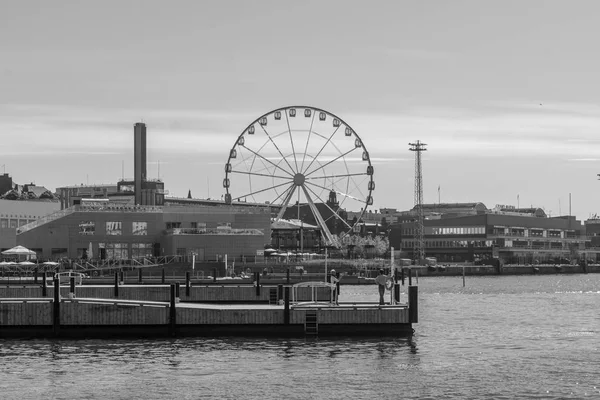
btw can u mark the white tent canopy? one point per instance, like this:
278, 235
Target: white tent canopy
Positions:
18, 250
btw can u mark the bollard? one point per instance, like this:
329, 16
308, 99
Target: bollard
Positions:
116, 284
139, 275
409, 277
44, 286
397, 293
177, 292
122, 278
56, 308
187, 284
257, 279
72, 288
35, 275
286, 307
172, 312
163, 276
402, 275
287, 276
413, 304
214, 274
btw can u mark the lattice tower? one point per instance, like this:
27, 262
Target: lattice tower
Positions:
419, 240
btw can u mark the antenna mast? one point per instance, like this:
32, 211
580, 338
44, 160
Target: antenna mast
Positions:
419, 240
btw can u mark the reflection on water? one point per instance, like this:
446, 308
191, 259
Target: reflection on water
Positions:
498, 337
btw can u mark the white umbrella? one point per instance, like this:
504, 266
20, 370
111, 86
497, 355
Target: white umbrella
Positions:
26, 263
19, 250
50, 263
7, 263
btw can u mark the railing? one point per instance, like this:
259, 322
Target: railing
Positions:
44, 220
214, 231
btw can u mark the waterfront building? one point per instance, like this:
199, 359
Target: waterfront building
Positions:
471, 232
107, 230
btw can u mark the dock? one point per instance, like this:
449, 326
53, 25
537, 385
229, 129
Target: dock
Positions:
287, 311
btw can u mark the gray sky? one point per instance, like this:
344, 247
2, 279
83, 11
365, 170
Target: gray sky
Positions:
505, 93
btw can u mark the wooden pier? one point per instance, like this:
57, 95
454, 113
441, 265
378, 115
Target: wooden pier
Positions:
67, 314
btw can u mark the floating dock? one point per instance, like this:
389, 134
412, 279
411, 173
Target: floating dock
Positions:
296, 313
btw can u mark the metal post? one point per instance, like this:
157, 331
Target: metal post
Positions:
257, 282
116, 284
44, 285
139, 275
72, 287
286, 307
163, 276
187, 284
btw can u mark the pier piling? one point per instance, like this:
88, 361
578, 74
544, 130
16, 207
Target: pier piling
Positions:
286, 307
44, 285
116, 284
163, 276
35, 275
257, 282
187, 284
409, 277
413, 304
56, 308
172, 311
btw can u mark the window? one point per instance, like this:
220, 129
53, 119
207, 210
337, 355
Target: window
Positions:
87, 227
116, 251
139, 228
4, 223
173, 225
114, 228
139, 250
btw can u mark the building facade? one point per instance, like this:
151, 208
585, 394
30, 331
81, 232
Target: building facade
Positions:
511, 237
113, 231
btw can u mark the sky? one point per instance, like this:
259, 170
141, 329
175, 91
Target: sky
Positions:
505, 94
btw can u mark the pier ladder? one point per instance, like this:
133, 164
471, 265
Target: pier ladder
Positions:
311, 325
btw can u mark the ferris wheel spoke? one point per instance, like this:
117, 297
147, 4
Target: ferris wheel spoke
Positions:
270, 162
322, 148
262, 190
318, 217
307, 141
333, 212
277, 147
286, 201
338, 192
329, 162
291, 140
259, 174
338, 176
284, 193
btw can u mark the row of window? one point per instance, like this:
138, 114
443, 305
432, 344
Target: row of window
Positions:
449, 243
448, 230
114, 228
14, 222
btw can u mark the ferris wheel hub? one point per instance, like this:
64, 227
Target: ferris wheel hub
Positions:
299, 179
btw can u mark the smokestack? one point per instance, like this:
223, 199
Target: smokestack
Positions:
139, 159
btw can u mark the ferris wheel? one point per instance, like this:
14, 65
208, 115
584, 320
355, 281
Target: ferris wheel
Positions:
302, 159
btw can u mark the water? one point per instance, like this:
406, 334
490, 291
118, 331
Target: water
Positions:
500, 337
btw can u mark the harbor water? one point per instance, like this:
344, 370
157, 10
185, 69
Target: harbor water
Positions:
500, 337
